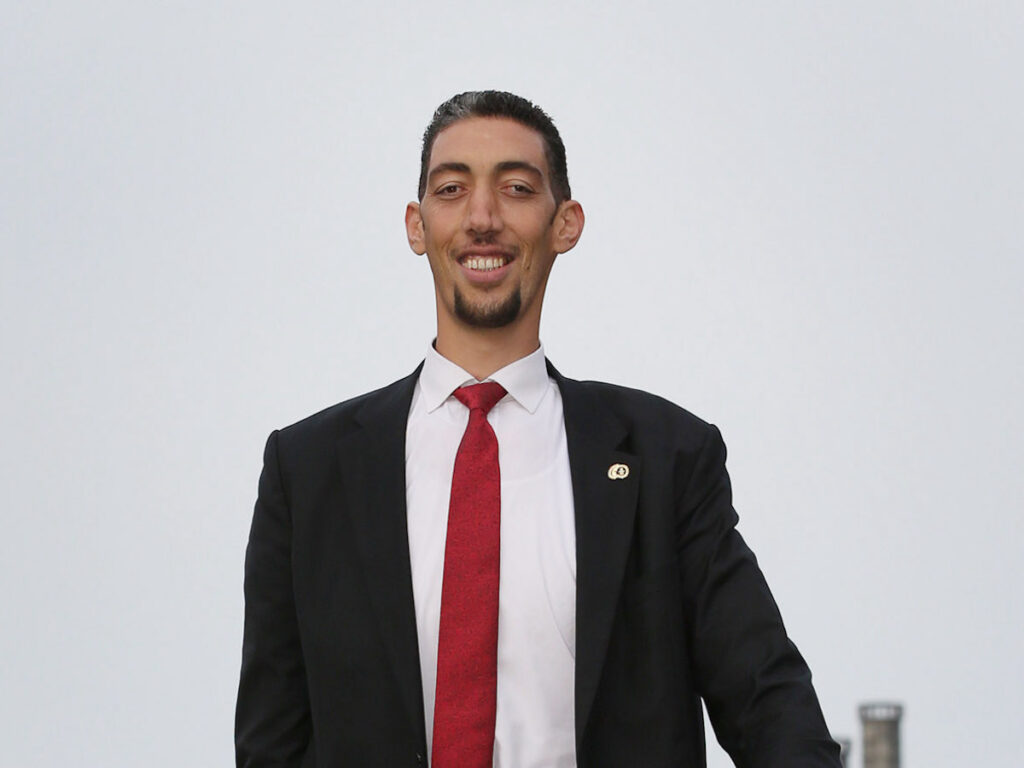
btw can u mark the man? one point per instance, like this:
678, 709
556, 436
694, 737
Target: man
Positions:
526, 572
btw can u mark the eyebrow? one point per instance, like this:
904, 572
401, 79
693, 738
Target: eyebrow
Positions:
519, 165
448, 167
502, 167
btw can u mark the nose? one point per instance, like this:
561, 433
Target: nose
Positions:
482, 214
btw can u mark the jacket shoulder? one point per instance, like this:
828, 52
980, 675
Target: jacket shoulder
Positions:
336, 420
643, 411
629, 398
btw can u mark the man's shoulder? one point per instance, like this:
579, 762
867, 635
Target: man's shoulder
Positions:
630, 397
341, 417
638, 408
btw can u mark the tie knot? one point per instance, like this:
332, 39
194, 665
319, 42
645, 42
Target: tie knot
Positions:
482, 396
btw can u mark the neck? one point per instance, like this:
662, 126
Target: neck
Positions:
482, 351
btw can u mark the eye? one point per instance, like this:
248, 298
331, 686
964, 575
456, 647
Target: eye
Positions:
447, 190
519, 189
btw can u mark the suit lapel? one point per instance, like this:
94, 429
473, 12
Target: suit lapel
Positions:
605, 510
372, 468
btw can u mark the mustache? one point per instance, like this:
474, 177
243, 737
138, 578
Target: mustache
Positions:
485, 248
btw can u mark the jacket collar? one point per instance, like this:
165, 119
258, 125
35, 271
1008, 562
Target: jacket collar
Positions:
372, 470
605, 511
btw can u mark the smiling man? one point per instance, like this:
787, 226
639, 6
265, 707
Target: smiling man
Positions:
489, 564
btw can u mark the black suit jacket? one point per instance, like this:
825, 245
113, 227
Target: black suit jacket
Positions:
670, 604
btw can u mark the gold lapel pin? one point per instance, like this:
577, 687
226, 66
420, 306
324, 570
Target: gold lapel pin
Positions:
618, 472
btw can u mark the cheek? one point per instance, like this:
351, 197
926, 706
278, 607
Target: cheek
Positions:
443, 235
535, 248
436, 245
437, 229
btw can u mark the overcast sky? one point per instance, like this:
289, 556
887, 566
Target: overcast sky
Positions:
804, 223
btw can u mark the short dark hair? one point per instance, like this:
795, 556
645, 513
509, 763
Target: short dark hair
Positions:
500, 104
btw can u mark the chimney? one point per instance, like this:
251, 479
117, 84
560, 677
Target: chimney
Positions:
881, 723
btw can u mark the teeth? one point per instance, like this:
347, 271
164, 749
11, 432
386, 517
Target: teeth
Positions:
485, 263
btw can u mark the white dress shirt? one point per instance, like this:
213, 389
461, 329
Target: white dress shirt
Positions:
537, 594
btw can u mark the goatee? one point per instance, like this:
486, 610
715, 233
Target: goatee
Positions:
490, 316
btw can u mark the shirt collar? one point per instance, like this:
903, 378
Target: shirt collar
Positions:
526, 379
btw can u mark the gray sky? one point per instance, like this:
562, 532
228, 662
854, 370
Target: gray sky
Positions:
804, 223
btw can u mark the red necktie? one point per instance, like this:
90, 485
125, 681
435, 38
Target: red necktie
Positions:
467, 645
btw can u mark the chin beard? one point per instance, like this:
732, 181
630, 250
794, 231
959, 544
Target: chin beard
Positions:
490, 316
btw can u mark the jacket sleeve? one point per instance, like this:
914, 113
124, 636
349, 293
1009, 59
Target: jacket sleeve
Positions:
272, 719
756, 686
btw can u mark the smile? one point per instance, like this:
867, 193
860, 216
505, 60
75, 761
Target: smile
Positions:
484, 263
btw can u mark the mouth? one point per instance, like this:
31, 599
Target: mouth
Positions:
485, 259
484, 265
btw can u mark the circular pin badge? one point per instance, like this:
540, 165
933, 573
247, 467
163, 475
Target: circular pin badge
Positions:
618, 472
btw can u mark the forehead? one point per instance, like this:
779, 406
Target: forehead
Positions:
481, 142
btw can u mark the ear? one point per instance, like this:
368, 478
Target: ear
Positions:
568, 225
414, 228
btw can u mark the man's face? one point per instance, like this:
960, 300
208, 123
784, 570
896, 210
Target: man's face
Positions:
488, 222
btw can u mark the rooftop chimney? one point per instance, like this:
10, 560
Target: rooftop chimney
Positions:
881, 722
